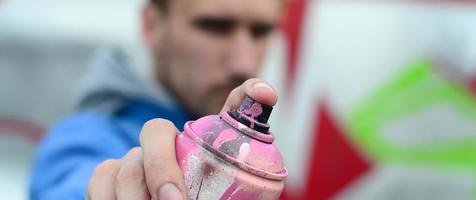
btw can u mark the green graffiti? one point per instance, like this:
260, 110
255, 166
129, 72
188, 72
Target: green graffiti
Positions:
416, 89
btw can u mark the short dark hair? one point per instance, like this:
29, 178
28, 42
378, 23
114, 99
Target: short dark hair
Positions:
161, 4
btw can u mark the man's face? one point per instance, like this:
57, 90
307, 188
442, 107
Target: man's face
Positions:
205, 48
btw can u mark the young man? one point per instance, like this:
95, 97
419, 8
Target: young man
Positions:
204, 51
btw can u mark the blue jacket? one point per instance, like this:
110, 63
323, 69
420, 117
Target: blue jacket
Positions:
106, 125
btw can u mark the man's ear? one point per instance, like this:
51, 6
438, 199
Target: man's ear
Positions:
152, 23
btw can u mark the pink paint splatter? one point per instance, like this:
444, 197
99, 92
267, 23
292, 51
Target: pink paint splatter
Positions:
244, 151
225, 136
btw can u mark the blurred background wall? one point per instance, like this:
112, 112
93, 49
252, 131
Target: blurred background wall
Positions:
382, 101
381, 93
45, 47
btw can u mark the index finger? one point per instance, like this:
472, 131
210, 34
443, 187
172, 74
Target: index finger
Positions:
257, 89
157, 140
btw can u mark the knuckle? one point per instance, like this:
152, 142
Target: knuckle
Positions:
157, 122
152, 126
251, 80
136, 151
152, 122
105, 167
130, 173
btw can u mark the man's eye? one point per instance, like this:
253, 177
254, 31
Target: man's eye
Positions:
261, 30
216, 25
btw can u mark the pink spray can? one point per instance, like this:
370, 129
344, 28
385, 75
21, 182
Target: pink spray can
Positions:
231, 155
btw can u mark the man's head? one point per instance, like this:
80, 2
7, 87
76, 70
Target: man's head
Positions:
205, 48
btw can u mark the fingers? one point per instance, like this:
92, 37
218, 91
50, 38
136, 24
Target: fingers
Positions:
130, 179
101, 185
257, 89
143, 173
119, 179
163, 176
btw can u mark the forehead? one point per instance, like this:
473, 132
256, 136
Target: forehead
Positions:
269, 10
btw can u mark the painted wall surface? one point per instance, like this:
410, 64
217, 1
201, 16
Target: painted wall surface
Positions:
383, 100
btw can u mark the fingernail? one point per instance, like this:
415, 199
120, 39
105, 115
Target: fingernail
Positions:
262, 85
169, 192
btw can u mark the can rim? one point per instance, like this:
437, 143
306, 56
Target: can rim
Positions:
242, 165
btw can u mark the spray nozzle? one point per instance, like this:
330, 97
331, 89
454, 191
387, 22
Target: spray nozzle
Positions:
253, 114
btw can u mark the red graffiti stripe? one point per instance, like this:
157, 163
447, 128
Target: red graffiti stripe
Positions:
292, 28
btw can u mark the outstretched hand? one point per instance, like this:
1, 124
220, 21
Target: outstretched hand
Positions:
151, 171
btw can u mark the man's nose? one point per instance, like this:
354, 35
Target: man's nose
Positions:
242, 54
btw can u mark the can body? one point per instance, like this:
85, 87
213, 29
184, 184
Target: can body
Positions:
231, 155
209, 177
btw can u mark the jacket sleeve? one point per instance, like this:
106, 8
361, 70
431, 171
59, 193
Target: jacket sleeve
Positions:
68, 155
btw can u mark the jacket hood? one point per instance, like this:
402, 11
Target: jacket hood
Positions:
114, 77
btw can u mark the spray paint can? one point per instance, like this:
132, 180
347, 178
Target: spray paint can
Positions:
231, 155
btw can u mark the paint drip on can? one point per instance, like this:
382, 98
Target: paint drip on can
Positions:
231, 155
